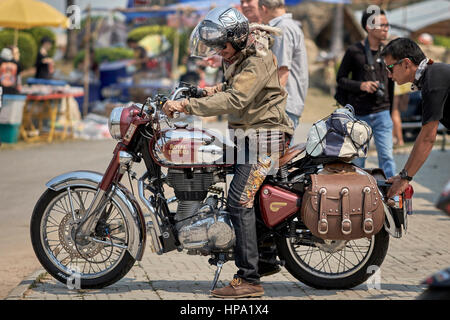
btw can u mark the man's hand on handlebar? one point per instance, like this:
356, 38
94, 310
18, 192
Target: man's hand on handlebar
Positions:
172, 106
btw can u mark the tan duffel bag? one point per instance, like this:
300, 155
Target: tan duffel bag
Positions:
343, 203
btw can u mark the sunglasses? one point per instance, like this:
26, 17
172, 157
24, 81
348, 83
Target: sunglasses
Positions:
391, 66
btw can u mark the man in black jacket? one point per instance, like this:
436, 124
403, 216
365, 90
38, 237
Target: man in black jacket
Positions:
363, 76
406, 62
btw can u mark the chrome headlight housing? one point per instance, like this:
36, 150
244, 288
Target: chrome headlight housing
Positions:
114, 123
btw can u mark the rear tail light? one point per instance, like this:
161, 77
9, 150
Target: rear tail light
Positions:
408, 194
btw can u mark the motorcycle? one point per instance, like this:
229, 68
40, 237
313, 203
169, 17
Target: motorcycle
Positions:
90, 225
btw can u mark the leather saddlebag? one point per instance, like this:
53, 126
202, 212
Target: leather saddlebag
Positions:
343, 203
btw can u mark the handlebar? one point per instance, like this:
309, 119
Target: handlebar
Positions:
153, 105
192, 92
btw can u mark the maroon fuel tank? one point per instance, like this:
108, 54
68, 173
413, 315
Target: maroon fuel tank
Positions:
183, 147
277, 204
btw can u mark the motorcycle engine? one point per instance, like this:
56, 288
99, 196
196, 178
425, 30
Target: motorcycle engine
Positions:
201, 225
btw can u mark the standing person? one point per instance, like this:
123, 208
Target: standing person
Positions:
140, 55
255, 103
406, 62
10, 71
368, 88
44, 64
250, 9
399, 105
290, 51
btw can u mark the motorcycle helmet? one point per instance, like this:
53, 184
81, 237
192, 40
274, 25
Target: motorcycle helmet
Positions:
220, 25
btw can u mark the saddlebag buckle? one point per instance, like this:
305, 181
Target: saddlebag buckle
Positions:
323, 226
368, 221
346, 226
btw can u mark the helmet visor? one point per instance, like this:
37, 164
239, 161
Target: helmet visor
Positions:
207, 40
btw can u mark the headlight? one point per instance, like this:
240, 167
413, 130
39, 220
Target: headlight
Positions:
114, 123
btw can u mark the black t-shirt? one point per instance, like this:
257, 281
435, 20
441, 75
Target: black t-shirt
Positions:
354, 70
9, 76
42, 69
435, 88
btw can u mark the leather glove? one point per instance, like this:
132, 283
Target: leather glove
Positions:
172, 105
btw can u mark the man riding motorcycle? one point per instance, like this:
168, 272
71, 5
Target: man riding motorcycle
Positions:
255, 102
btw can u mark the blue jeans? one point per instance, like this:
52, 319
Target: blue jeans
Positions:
295, 119
247, 179
381, 124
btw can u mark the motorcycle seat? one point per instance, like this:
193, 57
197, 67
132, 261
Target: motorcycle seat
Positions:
291, 153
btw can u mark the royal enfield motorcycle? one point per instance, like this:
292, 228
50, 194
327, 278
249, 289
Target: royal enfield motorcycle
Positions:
90, 224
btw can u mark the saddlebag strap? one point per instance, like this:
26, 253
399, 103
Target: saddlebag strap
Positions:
346, 226
367, 214
323, 222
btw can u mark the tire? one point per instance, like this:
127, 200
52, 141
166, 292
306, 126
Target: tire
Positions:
301, 269
70, 273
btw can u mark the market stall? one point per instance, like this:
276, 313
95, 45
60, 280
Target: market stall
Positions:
46, 108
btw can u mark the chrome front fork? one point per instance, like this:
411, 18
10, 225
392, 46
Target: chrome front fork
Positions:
92, 215
118, 165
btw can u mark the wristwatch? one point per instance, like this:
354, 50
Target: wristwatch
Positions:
404, 175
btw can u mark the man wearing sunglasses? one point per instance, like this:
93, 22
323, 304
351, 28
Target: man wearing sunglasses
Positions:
406, 62
363, 77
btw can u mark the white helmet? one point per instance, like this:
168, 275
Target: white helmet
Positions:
221, 25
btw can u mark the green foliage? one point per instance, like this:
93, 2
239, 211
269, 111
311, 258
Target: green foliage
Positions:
442, 41
38, 33
106, 55
169, 32
26, 43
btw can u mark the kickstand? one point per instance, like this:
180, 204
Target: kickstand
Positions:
217, 274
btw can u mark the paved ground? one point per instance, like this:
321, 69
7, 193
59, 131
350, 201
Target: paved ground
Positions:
177, 276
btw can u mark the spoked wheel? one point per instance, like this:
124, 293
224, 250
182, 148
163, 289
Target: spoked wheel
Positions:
96, 262
332, 264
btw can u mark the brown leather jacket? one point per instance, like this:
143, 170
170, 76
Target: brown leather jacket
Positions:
252, 95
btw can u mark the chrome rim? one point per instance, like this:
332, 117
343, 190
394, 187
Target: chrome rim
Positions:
93, 258
333, 259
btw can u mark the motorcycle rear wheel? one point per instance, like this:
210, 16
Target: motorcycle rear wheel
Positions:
52, 229
333, 264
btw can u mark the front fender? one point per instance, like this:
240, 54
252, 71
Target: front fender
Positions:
137, 237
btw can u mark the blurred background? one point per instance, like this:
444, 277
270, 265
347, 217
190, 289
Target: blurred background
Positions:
117, 51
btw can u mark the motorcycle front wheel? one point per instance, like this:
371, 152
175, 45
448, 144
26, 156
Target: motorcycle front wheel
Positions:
332, 264
93, 263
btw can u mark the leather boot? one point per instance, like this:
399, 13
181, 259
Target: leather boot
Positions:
239, 288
